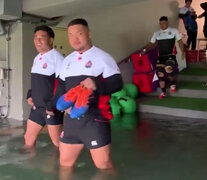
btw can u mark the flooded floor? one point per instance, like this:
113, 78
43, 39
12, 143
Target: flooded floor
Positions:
149, 147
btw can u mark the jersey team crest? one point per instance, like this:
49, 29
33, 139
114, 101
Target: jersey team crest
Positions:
44, 66
88, 64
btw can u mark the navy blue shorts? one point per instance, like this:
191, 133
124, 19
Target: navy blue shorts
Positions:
40, 117
92, 130
168, 60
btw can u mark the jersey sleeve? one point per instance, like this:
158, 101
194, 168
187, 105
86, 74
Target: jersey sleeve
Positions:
110, 67
63, 68
60, 90
178, 35
153, 39
29, 94
58, 65
109, 85
183, 10
112, 78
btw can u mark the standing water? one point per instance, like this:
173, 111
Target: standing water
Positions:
145, 148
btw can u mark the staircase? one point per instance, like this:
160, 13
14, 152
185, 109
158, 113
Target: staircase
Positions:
189, 101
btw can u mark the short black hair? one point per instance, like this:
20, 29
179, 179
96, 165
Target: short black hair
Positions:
164, 18
47, 29
78, 21
187, 1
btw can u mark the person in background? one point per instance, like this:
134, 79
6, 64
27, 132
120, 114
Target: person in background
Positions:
188, 14
45, 69
96, 70
166, 63
204, 14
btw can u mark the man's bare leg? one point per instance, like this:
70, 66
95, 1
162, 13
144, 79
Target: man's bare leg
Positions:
32, 131
54, 132
69, 153
102, 157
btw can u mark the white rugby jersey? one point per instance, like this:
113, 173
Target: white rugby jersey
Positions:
93, 62
48, 63
45, 68
168, 33
166, 40
185, 9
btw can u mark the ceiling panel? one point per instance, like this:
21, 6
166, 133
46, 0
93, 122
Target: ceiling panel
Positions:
54, 8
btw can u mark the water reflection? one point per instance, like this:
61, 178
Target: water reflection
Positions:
145, 148
125, 121
71, 174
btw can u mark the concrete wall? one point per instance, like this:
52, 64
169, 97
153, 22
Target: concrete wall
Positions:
29, 52
126, 28
3, 83
14, 62
21, 53
16, 75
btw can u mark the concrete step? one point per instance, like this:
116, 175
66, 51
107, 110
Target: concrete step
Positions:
194, 71
181, 77
183, 93
202, 64
189, 86
172, 111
